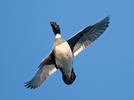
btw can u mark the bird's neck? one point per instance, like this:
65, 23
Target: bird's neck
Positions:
57, 36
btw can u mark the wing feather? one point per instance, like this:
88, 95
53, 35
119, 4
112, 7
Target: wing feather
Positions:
83, 38
45, 69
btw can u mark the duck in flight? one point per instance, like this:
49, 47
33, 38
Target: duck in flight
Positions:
63, 52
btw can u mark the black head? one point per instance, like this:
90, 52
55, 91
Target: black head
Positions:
55, 27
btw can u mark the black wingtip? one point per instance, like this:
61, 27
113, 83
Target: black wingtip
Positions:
107, 18
105, 21
28, 85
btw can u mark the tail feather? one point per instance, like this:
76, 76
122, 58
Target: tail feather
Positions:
68, 80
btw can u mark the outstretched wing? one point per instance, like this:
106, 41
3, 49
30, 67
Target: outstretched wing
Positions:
83, 38
45, 69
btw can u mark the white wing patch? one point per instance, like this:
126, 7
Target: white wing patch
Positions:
52, 71
79, 50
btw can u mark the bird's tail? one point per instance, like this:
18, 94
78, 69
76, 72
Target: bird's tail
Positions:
68, 80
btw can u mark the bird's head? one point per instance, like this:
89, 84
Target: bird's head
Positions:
55, 27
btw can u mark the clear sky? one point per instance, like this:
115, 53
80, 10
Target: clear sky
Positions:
105, 70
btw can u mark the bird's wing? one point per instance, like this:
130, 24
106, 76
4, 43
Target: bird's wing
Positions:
45, 69
83, 38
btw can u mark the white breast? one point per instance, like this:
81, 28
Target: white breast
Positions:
63, 55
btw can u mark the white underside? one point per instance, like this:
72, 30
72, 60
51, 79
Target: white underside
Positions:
63, 56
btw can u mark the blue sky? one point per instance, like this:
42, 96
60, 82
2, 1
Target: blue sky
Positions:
105, 70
